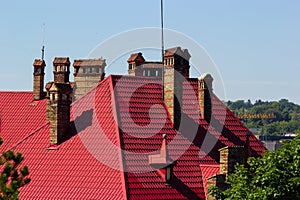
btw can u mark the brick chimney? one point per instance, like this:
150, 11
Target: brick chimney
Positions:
87, 74
205, 92
59, 99
38, 79
134, 62
229, 157
176, 69
61, 70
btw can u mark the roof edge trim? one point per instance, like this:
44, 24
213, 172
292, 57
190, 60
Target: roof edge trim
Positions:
115, 113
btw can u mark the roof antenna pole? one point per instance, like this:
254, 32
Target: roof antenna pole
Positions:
43, 42
162, 45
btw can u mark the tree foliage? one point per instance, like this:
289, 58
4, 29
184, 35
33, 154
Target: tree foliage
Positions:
12, 176
275, 176
287, 115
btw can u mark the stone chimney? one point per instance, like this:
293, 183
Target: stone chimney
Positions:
59, 99
134, 63
205, 92
176, 69
87, 74
229, 157
38, 79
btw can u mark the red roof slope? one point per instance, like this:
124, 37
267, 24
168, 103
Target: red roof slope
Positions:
72, 170
19, 116
115, 127
143, 120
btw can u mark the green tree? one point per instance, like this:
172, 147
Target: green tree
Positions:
287, 115
12, 176
275, 176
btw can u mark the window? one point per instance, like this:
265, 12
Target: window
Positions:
144, 73
149, 72
53, 97
83, 70
91, 70
172, 61
97, 70
130, 66
156, 72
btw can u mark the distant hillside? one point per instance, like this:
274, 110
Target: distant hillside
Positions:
284, 116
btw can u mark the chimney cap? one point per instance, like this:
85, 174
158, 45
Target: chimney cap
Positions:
235, 148
61, 60
206, 76
89, 62
136, 57
184, 53
39, 63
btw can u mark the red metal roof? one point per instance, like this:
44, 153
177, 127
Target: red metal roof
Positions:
20, 115
121, 113
70, 170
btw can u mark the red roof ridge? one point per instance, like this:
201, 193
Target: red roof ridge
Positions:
15, 91
114, 111
29, 135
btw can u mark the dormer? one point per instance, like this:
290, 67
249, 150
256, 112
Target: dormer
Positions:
162, 163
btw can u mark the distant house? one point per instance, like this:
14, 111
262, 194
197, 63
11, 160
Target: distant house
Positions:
124, 137
274, 142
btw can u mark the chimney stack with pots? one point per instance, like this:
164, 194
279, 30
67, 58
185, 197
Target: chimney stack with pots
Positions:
59, 99
38, 79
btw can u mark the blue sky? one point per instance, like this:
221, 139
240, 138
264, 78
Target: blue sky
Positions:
255, 44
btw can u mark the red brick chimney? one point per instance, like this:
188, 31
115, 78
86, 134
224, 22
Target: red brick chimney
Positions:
205, 92
61, 70
134, 62
59, 99
176, 69
38, 79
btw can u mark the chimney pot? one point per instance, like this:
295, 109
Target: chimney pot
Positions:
205, 94
38, 79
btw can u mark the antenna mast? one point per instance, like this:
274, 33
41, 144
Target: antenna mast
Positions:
43, 42
162, 45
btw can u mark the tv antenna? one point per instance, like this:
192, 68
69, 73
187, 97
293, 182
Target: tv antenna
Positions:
43, 41
162, 45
